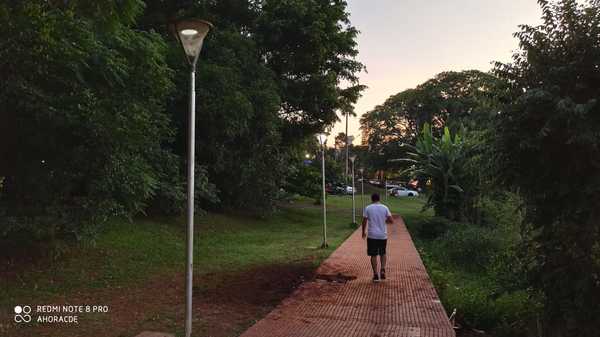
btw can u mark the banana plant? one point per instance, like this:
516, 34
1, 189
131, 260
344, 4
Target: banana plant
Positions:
440, 161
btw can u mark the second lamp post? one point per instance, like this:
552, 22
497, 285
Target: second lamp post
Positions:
322, 138
352, 159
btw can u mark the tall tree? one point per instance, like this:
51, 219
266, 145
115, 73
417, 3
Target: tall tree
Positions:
549, 141
311, 47
83, 123
268, 78
452, 99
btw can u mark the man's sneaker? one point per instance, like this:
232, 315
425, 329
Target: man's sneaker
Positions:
375, 278
382, 273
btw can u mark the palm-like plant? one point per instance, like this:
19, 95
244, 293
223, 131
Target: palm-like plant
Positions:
441, 162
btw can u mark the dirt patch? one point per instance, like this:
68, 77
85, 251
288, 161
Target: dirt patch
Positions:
336, 278
225, 304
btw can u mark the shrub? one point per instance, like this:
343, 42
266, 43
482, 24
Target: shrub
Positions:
473, 304
501, 210
517, 313
432, 228
469, 246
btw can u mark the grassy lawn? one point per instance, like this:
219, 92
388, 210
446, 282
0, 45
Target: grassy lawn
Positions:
129, 255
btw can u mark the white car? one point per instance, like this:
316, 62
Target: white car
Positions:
349, 189
404, 192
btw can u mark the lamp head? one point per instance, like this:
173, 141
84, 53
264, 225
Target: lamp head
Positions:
191, 33
322, 138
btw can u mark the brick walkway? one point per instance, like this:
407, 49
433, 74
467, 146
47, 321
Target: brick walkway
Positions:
404, 305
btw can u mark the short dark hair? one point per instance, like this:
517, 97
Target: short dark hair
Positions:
375, 197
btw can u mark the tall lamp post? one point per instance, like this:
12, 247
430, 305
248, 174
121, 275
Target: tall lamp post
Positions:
190, 33
362, 187
322, 138
386, 190
352, 159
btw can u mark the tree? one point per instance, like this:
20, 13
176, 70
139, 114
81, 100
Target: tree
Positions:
311, 47
549, 147
83, 122
267, 80
442, 161
450, 99
89, 94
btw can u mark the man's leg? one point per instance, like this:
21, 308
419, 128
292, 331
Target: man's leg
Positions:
383, 260
374, 264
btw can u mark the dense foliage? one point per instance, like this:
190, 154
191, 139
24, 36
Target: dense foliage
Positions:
540, 120
83, 120
451, 99
443, 162
549, 143
92, 126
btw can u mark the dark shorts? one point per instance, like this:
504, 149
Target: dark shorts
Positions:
376, 247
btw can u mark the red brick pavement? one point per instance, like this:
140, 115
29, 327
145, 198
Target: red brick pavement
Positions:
404, 305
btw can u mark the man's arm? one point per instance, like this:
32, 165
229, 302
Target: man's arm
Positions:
364, 228
389, 219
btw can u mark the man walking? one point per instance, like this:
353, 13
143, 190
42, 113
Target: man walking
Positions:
376, 215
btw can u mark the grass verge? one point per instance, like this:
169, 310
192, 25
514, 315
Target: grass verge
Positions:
243, 267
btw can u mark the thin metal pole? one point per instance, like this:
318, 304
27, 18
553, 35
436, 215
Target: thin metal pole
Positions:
362, 190
353, 202
190, 204
386, 191
347, 146
324, 245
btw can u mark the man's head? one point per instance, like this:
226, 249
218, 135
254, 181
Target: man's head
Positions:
375, 197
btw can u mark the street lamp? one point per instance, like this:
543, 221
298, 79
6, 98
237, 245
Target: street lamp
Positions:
349, 140
352, 159
362, 187
386, 190
190, 33
322, 138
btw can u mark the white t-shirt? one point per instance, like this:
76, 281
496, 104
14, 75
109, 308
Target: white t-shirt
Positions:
376, 214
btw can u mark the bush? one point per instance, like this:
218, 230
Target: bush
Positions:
501, 210
469, 246
517, 313
432, 228
473, 304
508, 314
304, 180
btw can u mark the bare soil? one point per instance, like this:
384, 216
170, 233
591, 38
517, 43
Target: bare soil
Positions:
225, 304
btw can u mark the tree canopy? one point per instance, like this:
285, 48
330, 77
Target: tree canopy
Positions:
450, 99
549, 147
94, 104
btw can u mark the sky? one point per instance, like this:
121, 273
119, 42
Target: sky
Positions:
403, 43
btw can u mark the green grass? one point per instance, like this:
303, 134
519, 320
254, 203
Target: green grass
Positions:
128, 255
127, 252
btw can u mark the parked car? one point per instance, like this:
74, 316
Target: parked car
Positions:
404, 192
348, 189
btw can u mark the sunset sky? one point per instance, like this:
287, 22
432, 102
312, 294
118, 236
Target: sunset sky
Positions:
405, 42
